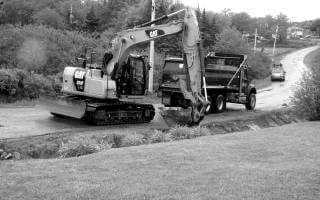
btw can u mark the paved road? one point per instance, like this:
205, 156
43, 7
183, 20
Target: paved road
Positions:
281, 91
18, 122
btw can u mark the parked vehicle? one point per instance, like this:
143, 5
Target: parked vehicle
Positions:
278, 73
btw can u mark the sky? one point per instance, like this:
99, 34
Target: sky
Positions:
296, 10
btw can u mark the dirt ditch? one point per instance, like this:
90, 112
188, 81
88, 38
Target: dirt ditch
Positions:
62, 145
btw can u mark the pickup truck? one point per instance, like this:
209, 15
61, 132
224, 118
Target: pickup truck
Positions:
226, 80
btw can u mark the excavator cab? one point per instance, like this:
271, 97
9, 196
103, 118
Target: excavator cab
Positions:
132, 78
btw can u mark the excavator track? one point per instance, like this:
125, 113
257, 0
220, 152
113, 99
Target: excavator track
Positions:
118, 112
99, 112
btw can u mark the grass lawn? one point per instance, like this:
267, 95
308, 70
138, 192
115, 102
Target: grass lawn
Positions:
312, 60
274, 163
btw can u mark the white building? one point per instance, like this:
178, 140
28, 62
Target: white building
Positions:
295, 32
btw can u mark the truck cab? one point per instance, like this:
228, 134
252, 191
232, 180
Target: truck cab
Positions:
173, 70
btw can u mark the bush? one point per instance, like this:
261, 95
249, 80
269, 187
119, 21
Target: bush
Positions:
17, 84
260, 66
183, 132
133, 140
42, 49
81, 146
306, 99
159, 136
230, 41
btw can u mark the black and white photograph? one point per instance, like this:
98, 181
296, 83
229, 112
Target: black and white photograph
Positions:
159, 100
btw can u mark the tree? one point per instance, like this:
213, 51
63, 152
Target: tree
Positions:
170, 45
92, 21
49, 17
222, 21
242, 22
139, 13
112, 14
315, 26
229, 41
208, 30
283, 24
17, 12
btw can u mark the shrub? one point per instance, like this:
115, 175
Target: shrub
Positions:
158, 136
183, 132
17, 84
201, 131
81, 146
42, 49
133, 140
230, 41
114, 140
306, 99
259, 66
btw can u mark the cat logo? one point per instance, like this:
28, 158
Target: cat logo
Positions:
79, 79
153, 33
79, 74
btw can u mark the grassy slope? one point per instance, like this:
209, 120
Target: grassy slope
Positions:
313, 59
275, 163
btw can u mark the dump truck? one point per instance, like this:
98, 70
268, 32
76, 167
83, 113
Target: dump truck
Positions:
114, 92
225, 79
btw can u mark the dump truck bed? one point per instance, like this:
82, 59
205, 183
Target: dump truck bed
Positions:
221, 70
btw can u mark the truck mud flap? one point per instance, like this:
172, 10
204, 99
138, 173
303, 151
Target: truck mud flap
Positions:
64, 106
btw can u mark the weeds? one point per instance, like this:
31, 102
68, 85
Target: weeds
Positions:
158, 136
133, 140
183, 132
81, 146
306, 99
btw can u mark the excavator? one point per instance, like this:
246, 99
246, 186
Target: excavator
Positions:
114, 92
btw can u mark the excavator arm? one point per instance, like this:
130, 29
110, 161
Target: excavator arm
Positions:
126, 40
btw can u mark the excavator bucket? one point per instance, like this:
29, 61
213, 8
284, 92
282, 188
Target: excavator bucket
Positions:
64, 106
174, 116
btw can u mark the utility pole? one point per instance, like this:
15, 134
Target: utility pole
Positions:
151, 57
275, 40
255, 42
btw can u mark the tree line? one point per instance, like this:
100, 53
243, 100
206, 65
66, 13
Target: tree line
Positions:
113, 15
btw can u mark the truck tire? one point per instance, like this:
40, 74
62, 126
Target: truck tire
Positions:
251, 102
218, 104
